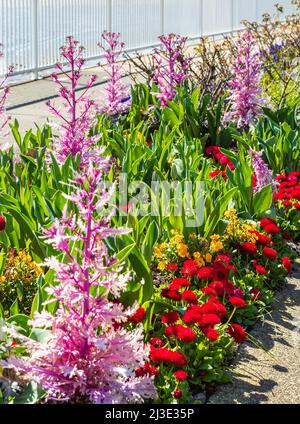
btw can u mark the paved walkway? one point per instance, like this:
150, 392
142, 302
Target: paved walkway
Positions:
269, 378
26, 102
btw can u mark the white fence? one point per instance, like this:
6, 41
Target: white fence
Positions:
33, 30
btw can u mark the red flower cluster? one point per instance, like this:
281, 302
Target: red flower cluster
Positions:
289, 190
139, 316
237, 332
2, 223
287, 264
220, 159
161, 355
248, 247
270, 253
147, 369
180, 375
185, 334
259, 268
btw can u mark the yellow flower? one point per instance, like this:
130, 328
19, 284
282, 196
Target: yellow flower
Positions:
208, 257
178, 239
182, 250
230, 213
216, 246
163, 246
162, 265
2, 279
215, 237
157, 252
193, 236
199, 259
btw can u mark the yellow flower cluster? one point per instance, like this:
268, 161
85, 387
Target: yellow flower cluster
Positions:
20, 266
237, 230
216, 244
178, 241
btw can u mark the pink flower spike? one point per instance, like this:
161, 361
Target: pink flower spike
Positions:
117, 93
246, 101
79, 111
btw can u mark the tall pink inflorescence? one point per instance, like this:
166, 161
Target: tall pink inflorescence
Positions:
78, 115
88, 357
262, 174
171, 66
4, 91
117, 93
246, 100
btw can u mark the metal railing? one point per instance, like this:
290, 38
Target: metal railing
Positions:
33, 30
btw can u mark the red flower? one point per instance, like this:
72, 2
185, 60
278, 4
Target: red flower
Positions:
146, 369
270, 253
221, 310
190, 268
287, 203
2, 223
156, 342
138, 316
177, 393
259, 268
172, 267
205, 273
224, 257
212, 150
180, 375
192, 315
218, 286
170, 331
178, 359
150, 369
222, 159
209, 290
170, 317
211, 334
229, 287
181, 282
248, 248
263, 239
267, 221
210, 319
214, 174
171, 294
190, 297
231, 165
165, 355
286, 262
186, 334
237, 332
254, 180
272, 229
237, 302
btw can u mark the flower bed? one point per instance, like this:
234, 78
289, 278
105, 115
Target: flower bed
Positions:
143, 234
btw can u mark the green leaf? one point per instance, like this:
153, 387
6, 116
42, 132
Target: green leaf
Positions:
262, 200
20, 321
14, 309
218, 211
30, 395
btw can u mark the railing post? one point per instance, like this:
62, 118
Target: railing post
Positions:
110, 16
256, 10
162, 17
201, 18
35, 46
232, 17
